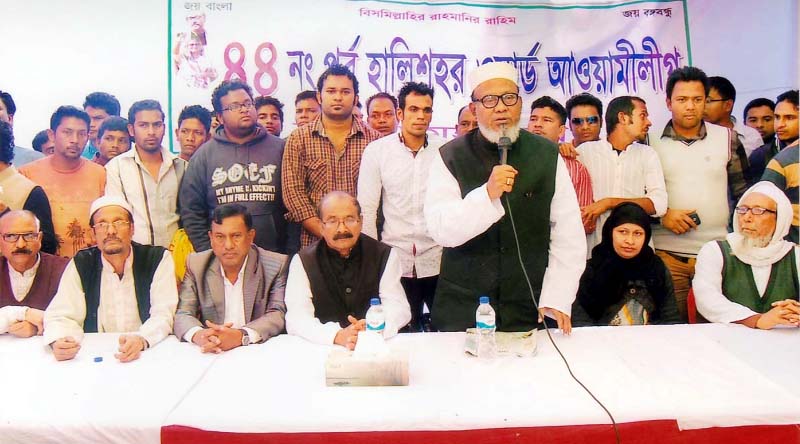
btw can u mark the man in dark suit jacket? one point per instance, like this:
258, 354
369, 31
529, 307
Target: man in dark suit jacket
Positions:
236, 289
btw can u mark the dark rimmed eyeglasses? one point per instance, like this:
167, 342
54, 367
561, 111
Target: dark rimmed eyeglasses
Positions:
591, 120
237, 106
491, 100
757, 211
12, 238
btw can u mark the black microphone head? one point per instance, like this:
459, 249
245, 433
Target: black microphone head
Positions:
504, 142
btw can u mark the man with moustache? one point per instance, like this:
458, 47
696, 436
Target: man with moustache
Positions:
702, 170
28, 277
467, 209
466, 121
118, 286
148, 176
331, 282
71, 182
112, 140
382, 113
325, 154
622, 169
241, 163
306, 107
751, 276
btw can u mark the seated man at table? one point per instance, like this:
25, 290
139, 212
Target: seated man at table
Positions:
236, 288
331, 281
117, 286
28, 277
751, 277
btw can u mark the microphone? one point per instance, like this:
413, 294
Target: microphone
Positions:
504, 145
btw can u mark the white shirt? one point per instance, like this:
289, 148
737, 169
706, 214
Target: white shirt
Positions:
390, 168
453, 221
234, 306
11, 314
300, 319
118, 310
154, 200
707, 285
750, 137
21, 283
633, 173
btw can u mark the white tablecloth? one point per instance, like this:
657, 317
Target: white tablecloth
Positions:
699, 375
82, 401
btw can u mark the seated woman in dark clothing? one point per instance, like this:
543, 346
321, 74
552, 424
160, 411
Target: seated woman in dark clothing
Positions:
625, 283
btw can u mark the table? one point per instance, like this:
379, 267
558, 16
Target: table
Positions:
681, 383
684, 383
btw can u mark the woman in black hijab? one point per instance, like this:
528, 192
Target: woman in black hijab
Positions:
625, 283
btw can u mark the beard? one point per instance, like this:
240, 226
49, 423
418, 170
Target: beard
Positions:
495, 135
751, 243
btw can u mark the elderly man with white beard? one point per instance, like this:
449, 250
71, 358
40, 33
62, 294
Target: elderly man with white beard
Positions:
467, 206
751, 277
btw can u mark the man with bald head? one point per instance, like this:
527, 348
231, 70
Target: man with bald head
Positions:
471, 195
28, 277
331, 281
751, 277
118, 286
466, 121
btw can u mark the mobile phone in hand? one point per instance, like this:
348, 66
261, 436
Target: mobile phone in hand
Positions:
695, 218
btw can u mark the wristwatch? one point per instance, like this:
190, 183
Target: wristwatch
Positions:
245, 337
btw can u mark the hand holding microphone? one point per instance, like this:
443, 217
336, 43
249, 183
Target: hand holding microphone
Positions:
502, 178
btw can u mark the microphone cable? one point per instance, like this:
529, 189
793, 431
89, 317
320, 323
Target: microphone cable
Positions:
544, 321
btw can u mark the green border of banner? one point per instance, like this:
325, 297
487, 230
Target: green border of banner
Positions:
169, 74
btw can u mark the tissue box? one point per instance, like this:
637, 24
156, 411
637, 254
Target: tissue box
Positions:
344, 370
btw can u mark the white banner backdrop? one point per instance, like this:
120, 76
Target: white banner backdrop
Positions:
280, 48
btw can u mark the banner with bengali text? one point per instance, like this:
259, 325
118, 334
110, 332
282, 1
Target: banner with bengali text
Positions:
280, 48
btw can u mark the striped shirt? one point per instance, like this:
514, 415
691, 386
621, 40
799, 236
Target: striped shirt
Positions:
783, 170
312, 168
580, 181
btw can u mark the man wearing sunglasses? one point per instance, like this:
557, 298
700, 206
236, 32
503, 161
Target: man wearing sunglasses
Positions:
467, 207
751, 276
585, 113
242, 164
28, 277
117, 286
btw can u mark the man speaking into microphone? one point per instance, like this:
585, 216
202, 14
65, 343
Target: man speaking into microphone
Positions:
472, 193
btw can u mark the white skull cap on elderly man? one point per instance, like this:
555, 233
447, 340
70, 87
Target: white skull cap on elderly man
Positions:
108, 201
492, 70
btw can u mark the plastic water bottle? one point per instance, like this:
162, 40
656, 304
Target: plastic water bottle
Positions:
376, 320
485, 324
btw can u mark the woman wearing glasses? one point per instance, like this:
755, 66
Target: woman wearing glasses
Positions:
751, 277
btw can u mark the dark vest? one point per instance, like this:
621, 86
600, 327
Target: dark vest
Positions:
45, 283
739, 286
146, 259
488, 264
332, 303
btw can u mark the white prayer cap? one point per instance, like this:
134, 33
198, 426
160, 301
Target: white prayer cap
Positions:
492, 70
109, 201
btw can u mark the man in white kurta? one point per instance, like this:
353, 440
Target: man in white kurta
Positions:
466, 215
116, 287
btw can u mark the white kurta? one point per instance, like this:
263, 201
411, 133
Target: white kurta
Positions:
118, 310
452, 221
300, 319
707, 285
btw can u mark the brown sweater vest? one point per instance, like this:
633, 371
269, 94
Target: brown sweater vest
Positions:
45, 283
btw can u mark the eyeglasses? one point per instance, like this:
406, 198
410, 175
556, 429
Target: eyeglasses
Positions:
710, 100
102, 227
757, 211
237, 106
12, 238
490, 101
591, 120
348, 222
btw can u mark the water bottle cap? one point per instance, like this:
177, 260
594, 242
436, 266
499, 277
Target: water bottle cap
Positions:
375, 301
484, 299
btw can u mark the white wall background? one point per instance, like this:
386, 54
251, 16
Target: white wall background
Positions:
56, 52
